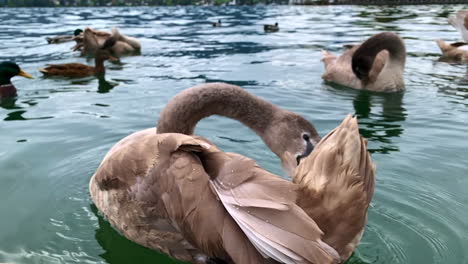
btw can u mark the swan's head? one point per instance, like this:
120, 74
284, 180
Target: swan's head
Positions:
292, 138
362, 66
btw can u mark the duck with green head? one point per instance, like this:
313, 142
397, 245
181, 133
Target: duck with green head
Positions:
9, 70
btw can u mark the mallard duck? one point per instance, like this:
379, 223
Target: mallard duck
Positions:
377, 64
64, 38
9, 70
93, 39
454, 51
181, 195
271, 28
78, 70
460, 22
217, 24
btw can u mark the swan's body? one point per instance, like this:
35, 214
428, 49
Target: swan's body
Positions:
460, 22
93, 39
381, 59
456, 52
161, 192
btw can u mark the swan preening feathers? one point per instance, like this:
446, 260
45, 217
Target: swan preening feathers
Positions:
177, 193
377, 64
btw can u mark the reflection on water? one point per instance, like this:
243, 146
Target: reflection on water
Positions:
118, 249
418, 138
380, 126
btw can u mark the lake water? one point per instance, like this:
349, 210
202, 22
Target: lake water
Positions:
55, 133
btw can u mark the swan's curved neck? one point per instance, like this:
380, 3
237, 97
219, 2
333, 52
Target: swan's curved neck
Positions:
364, 57
183, 112
383, 41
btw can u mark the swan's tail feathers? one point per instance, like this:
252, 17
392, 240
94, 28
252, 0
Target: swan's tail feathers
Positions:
133, 42
263, 206
338, 181
328, 58
453, 21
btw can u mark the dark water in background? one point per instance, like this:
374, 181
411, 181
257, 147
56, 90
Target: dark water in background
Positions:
55, 133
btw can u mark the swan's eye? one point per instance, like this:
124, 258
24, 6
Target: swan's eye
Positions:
307, 151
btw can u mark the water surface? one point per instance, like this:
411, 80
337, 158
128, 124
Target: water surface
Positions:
55, 133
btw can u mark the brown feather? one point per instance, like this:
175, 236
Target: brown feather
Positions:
337, 184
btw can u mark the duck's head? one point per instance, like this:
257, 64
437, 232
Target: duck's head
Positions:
10, 69
291, 138
77, 32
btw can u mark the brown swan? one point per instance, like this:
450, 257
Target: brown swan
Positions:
181, 195
377, 64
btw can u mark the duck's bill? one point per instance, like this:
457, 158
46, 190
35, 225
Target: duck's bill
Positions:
24, 74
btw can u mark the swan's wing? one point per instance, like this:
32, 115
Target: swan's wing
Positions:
339, 180
263, 205
458, 22
181, 181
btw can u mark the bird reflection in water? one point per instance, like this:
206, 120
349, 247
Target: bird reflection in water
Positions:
380, 127
104, 86
118, 249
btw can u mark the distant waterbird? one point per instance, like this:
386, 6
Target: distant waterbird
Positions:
217, 24
64, 38
271, 28
377, 64
79, 70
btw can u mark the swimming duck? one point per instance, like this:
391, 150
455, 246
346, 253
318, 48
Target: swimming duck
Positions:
64, 38
78, 70
181, 195
9, 70
93, 39
453, 51
377, 64
460, 22
217, 24
271, 28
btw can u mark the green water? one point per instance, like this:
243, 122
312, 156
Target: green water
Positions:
55, 133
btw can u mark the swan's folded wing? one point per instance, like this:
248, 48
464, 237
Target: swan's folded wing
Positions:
179, 178
263, 205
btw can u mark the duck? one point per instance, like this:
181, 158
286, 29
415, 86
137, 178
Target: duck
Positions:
9, 70
271, 28
453, 51
64, 38
93, 39
460, 22
375, 65
217, 24
177, 193
79, 70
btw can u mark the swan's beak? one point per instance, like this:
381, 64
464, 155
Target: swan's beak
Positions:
24, 74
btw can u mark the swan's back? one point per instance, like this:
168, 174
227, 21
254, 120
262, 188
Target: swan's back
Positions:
337, 182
